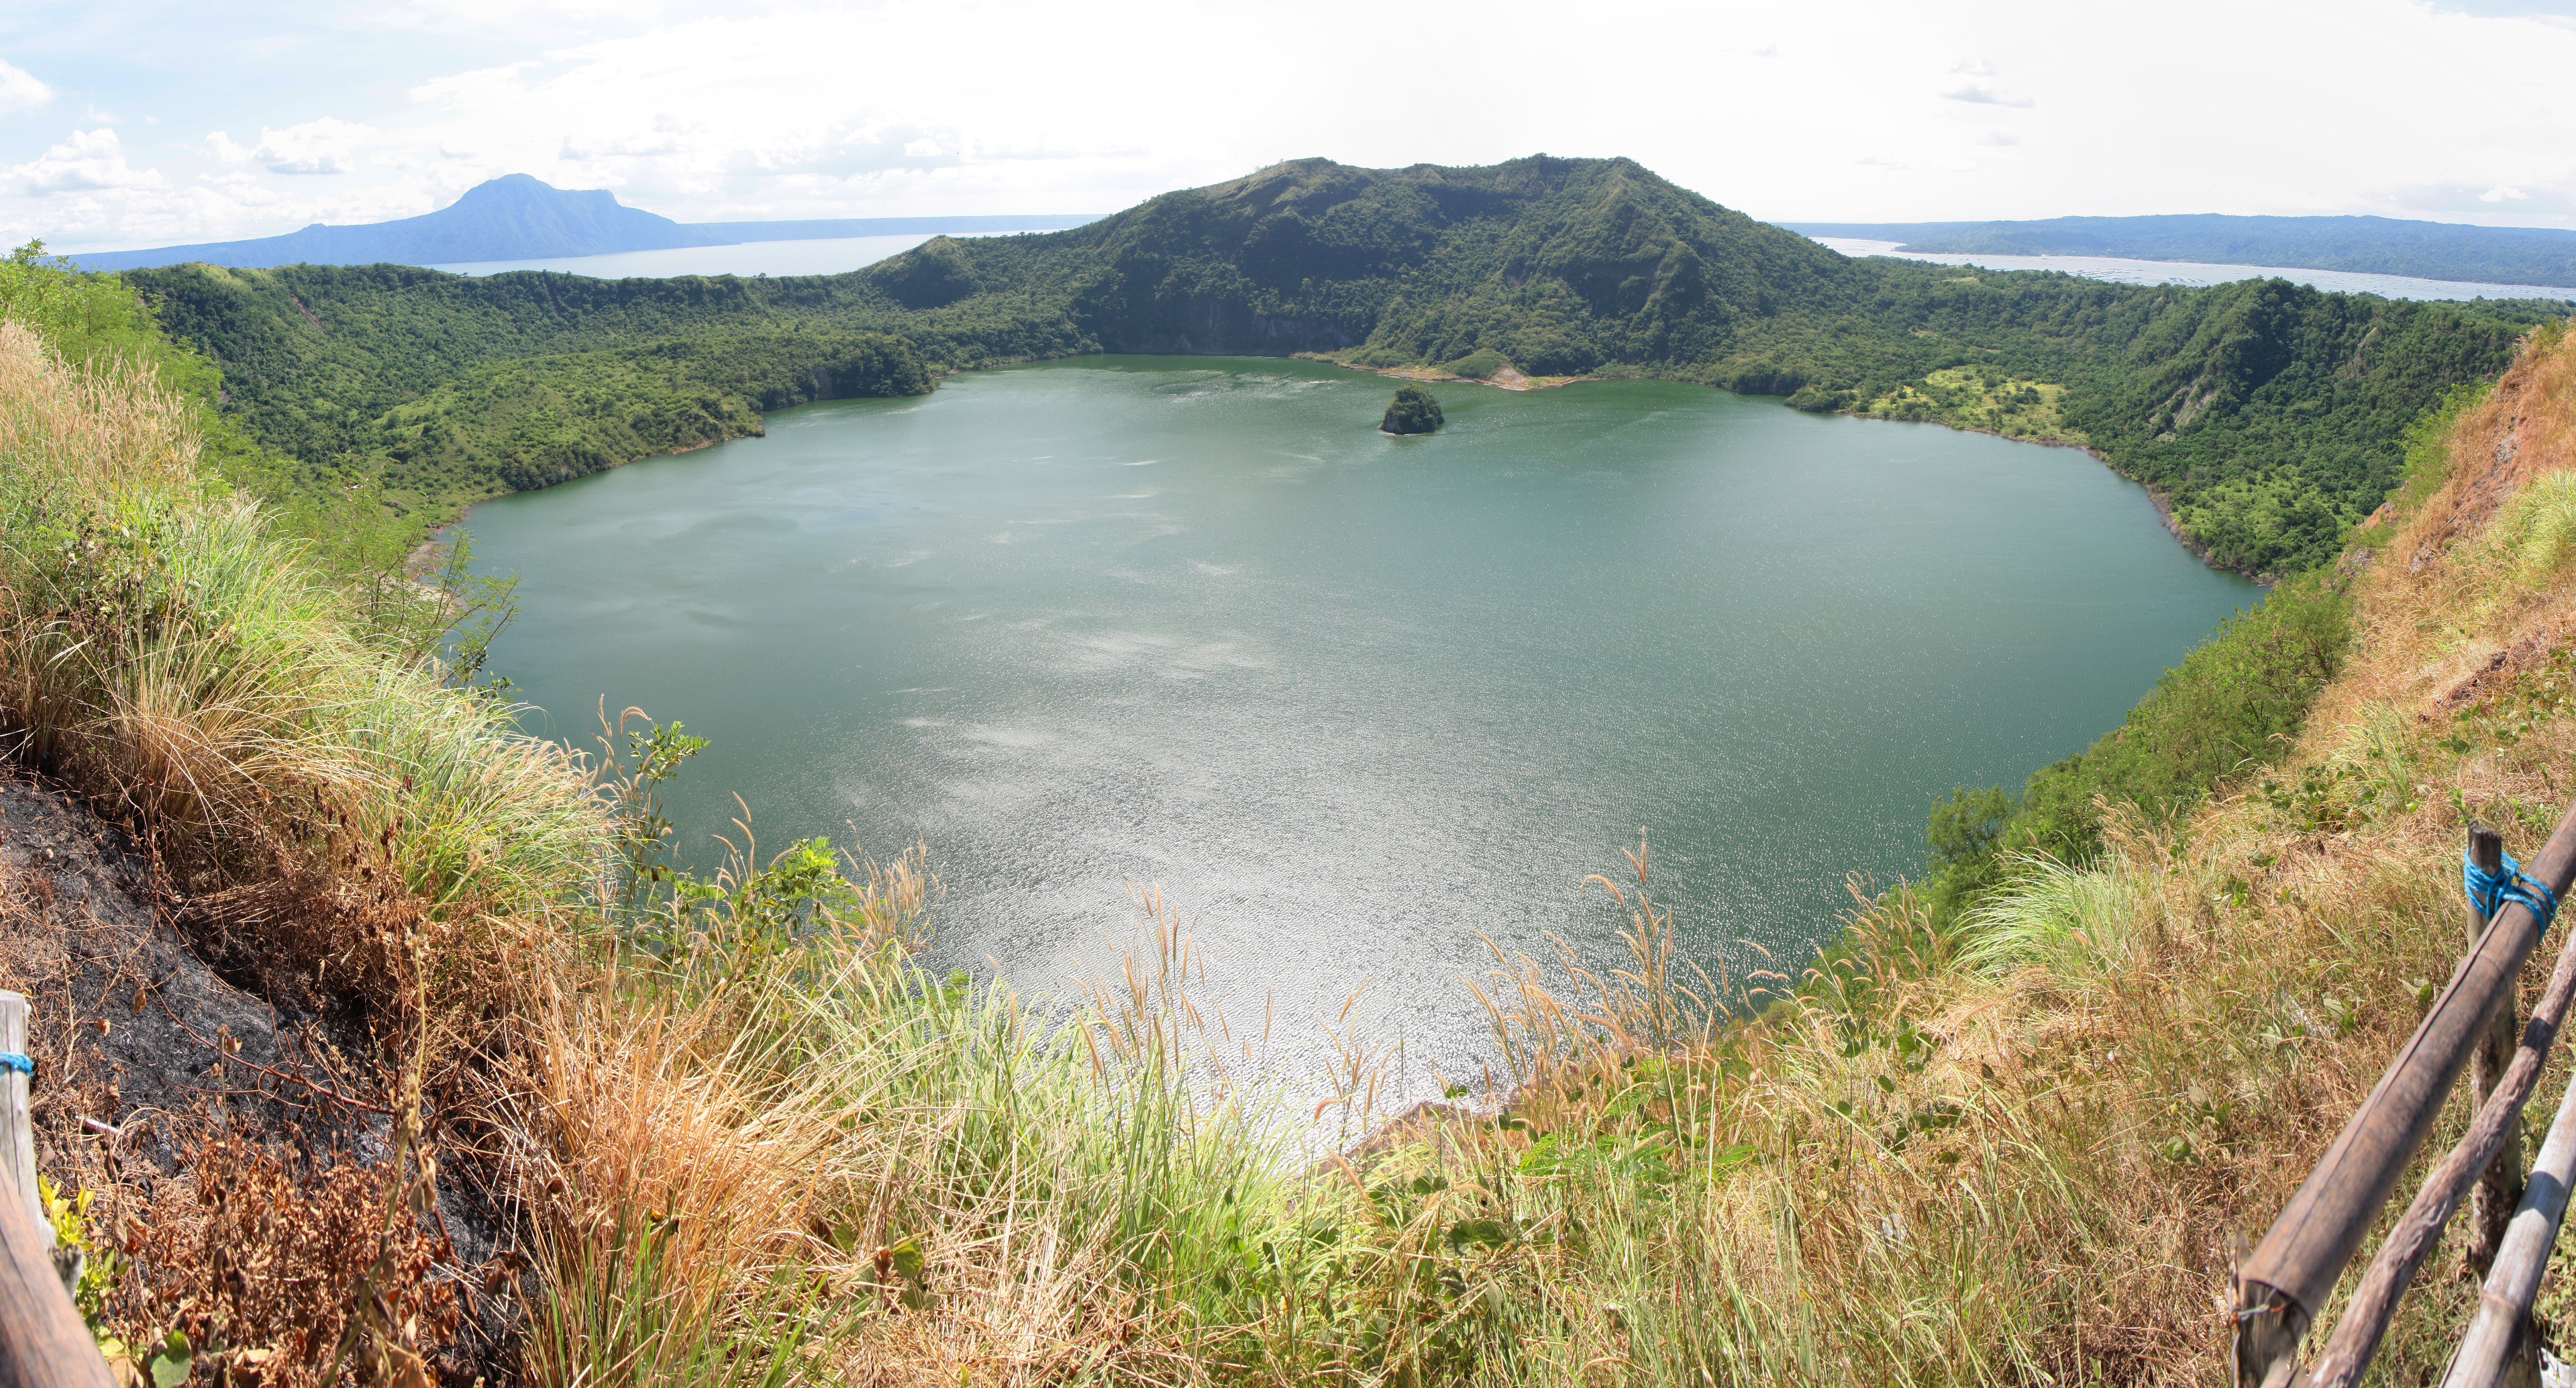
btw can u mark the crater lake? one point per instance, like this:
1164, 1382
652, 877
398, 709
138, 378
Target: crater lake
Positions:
1356, 704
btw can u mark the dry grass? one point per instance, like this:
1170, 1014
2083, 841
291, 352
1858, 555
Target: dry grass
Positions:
371, 842
256, 1257
90, 431
763, 1134
2025, 1155
743, 1137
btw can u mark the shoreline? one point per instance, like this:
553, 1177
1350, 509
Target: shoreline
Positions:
415, 565
1509, 378
2155, 496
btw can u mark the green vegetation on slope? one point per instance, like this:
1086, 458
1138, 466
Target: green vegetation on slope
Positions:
100, 321
2231, 707
2271, 415
2265, 413
1971, 397
531, 422
428, 391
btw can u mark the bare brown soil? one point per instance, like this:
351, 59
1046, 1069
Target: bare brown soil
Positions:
152, 1061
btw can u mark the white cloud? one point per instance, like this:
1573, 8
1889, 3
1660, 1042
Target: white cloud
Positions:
19, 89
325, 146
89, 161
1979, 94
2504, 192
759, 108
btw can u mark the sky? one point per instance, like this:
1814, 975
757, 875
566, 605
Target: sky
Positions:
129, 123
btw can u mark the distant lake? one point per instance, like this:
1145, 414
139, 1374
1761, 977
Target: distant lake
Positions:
839, 255
2193, 272
1350, 700
826, 256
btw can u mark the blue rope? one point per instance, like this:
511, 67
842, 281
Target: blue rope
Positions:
18, 1061
2489, 891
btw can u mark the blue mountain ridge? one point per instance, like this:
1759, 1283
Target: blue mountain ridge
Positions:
2368, 245
519, 217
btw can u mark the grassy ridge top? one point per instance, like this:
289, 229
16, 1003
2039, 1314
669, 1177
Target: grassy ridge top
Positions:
2265, 413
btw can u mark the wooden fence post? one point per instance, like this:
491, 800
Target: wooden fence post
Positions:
2365, 1317
2499, 1190
2501, 1348
17, 1127
43, 1343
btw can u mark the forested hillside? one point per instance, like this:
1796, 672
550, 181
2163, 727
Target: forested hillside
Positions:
432, 391
2265, 413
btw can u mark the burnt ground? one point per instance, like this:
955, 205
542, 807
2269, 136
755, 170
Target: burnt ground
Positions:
143, 1050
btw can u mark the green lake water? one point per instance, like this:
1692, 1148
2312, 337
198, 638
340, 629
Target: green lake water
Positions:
1353, 702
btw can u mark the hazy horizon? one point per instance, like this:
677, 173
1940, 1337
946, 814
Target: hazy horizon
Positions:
146, 123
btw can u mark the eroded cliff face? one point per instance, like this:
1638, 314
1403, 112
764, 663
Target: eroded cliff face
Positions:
2525, 428
149, 1057
129, 1028
2462, 618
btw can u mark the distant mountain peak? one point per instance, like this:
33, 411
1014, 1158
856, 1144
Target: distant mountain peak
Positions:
514, 217
522, 217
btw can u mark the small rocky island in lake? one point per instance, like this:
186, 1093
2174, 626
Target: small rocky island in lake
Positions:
1414, 412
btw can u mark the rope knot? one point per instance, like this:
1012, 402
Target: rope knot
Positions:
2489, 891
18, 1061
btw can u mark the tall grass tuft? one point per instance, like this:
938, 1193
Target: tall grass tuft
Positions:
784, 1121
2071, 921
160, 646
2539, 526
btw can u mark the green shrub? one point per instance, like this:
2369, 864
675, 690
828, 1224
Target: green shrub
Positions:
2071, 921
1965, 832
1414, 411
2232, 705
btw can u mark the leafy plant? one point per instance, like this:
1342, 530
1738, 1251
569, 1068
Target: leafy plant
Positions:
100, 1265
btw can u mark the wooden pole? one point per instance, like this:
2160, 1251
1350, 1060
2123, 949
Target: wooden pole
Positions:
2499, 1348
2365, 1319
2491, 1205
2287, 1278
43, 1343
17, 1127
